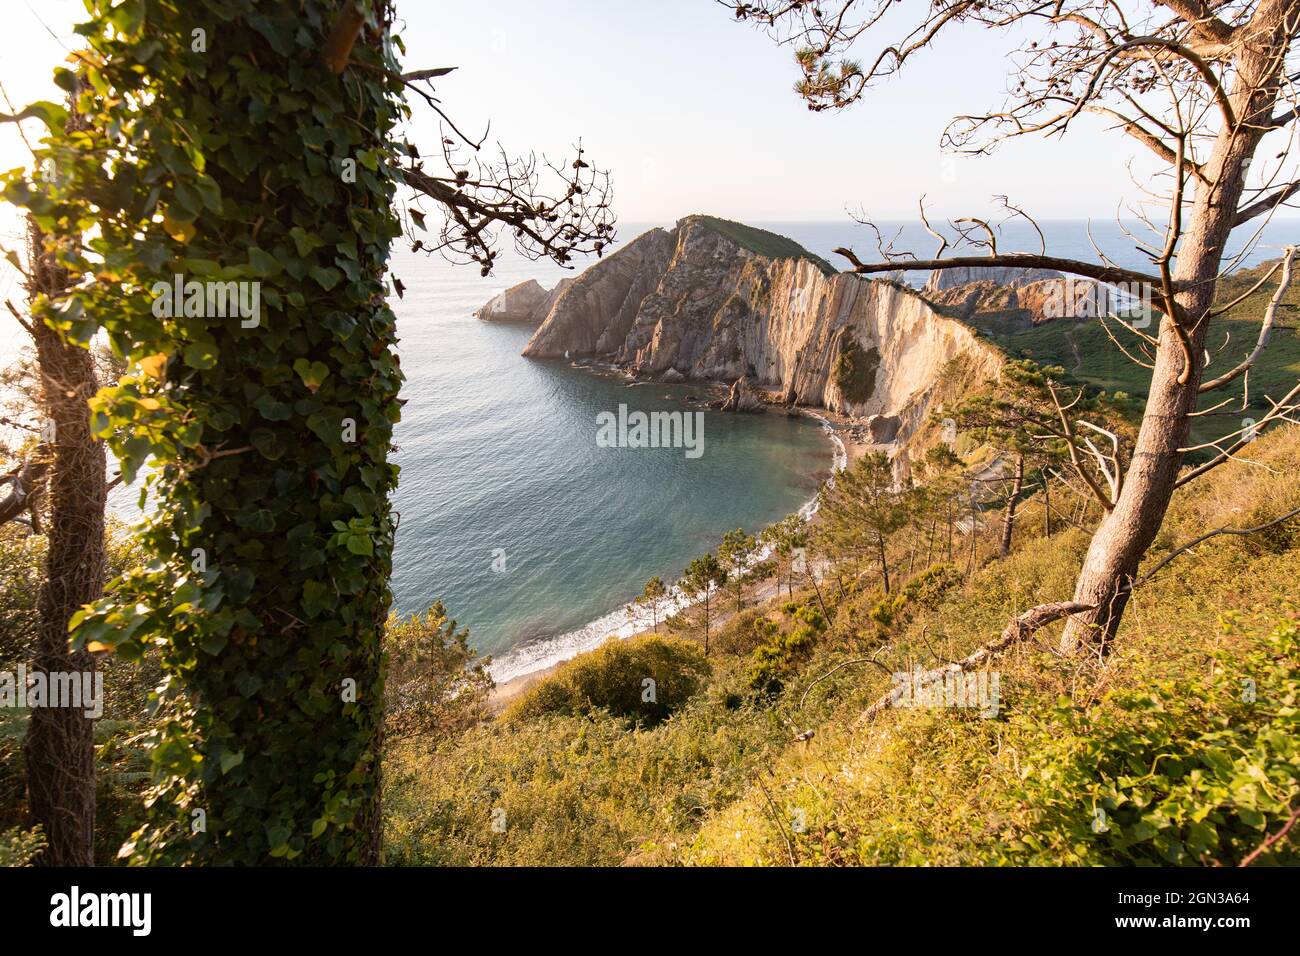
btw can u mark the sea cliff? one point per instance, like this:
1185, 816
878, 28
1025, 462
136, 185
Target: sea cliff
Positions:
712, 300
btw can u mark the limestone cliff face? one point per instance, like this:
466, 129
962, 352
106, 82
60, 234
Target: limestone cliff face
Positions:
1013, 276
593, 314
1035, 300
712, 303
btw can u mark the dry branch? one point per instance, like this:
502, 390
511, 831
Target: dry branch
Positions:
1021, 629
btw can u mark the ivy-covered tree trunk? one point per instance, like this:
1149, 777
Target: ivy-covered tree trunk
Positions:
285, 493
245, 220
59, 750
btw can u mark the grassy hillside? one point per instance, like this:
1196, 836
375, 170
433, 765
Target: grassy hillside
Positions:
1157, 754
1084, 350
763, 242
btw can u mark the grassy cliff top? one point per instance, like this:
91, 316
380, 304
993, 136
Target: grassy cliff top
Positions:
761, 241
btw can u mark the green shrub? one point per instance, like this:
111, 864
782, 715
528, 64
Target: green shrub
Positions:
435, 684
922, 592
1190, 771
855, 370
745, 632
772, 663
643, 680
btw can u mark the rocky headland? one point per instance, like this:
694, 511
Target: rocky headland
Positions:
717, 301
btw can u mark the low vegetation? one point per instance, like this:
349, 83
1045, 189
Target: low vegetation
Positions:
1085, 352
642, 681
854, 372
1177, 748
764, 243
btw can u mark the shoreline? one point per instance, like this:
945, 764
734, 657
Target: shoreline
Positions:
624, 622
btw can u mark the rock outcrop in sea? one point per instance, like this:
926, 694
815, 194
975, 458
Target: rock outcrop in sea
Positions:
712, 300
528, 302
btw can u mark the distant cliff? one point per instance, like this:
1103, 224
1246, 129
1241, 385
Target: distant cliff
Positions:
718, 301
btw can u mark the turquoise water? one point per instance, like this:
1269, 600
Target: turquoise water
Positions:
510, 512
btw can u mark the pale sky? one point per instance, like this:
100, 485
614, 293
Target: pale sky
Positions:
692, 111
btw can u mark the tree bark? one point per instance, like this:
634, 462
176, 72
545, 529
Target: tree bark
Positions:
1047, 503
706, 621
1009, 515
951, 522
884, 562
60, 747
1131, 525
1021, 629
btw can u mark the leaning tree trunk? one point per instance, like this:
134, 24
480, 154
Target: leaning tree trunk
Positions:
59, 749
1131, 525
1009, 515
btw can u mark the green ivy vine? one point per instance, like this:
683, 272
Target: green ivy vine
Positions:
217, 145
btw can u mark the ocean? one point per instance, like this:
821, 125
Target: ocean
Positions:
532, 534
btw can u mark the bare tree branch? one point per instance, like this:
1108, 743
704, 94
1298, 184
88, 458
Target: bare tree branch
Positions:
1265, 329
1024, 627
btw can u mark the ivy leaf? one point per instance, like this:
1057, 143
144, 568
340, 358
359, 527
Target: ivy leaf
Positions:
182, 232
267, 443
305, 241
51, 114
189, 200
263, 263
128, 17
273, 410
230, 760
153, 365
315, 598
361, 544
209, 191
200, 355
326, 277
311, 373
214, 643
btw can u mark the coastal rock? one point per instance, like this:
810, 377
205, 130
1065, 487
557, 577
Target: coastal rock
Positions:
719, 301
881, 429
673, 377
596, 310
982, 295
743, 398
1022, 304
528, 302
1053, 299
